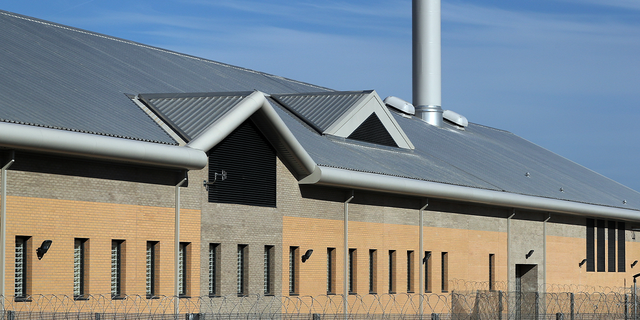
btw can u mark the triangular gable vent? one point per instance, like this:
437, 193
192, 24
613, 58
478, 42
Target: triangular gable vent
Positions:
353, 115
372, 130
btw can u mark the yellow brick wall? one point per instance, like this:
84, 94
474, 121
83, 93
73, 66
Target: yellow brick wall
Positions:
63, 220
468, 253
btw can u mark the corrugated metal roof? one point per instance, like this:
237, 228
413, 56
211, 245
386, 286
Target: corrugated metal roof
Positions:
190, 113
320, 110
60, 77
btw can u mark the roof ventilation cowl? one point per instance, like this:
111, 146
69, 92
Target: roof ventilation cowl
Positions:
455, 118
400, 105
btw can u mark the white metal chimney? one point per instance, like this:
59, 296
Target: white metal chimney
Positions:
427, 77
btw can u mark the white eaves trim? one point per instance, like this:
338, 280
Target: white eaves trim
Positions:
342, 178
351, 120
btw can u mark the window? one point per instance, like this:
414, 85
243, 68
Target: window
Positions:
427, 272
621, 247
242, 269
79, 264
21, 276
591, 252
492, 271
268, 270
331, 270
214, 269
444, 276
293, 270
151, 269
373, 271
410, 271
353, 271
601, 244
392, 271
116, 268
183, 270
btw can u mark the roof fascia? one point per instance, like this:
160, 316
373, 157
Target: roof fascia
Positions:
374, 182
257, 107
367, 105
99, 147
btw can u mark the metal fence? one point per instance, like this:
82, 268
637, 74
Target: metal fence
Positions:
458, 305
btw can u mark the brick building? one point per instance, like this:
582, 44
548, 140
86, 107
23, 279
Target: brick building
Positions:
105, 142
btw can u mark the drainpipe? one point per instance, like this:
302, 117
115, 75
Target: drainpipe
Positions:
3, 228
544, 256
345, 285
177, 245
509, 250
420, 270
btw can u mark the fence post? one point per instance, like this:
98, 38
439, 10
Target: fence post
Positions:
537, 305
626, 306
500, 307
573, 304
11, 315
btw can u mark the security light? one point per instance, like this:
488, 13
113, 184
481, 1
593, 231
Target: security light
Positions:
307, 255
634, 263
582, 262
528, 254
44, 247
426, 257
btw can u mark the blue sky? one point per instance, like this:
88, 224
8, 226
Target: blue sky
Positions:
564, 74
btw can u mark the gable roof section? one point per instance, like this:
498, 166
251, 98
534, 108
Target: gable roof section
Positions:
341, 113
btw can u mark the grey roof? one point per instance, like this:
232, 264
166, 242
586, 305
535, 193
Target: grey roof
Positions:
190, 113
65, 78
320, 110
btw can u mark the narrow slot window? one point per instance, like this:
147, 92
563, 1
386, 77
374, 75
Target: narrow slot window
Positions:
353, 263
601, 243
591, 247
268, 270
331, 270
242, 270
293, 270
79, 263
409, 271
392, 271
116, 268
444, 274
492, 271
621, 247
373, 271
611, 246
183, 259
21, 260
151, 269
214, 269
427, 272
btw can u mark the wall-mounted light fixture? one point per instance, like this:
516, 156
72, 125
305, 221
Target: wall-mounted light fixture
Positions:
307, 255
528, 254
634, 263
44, 247
582, 263
426, 257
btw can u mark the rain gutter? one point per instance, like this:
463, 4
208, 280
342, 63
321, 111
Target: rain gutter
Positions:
99, 147
375, 182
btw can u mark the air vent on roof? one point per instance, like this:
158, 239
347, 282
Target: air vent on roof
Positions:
455, 118
372, 130
399, 104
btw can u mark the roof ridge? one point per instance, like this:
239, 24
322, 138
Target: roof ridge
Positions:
107, 37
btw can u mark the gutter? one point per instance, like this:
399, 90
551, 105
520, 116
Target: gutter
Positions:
333, 177
99, 147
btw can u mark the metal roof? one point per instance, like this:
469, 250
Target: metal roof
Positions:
320, 110
65, 78
190, 113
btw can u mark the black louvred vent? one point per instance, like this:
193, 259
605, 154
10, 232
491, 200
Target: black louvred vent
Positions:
372, 130
250, 165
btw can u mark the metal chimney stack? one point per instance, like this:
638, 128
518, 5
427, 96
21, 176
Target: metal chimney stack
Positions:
427, 77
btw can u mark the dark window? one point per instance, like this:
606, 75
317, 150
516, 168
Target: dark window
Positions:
242, 169
427, 271
621, 247
392, 271
79, 262
242, 270
444, 275
151, 269
372, 130
183, 269
21, 259
409, 271
116, 268
373, 271
492, 271
591, 246
353, 271
293, 270
214, 269
331, 270
268, 269
611, 239
601, 246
